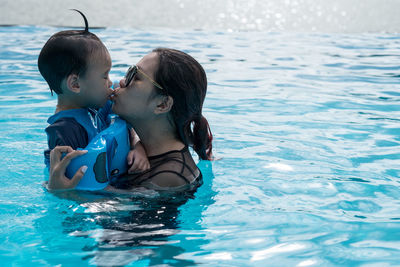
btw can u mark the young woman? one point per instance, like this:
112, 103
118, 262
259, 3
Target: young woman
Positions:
162, 98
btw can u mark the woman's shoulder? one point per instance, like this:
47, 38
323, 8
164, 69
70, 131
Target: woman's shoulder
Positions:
173, 169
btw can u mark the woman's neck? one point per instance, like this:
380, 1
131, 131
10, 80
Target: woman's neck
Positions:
157, 137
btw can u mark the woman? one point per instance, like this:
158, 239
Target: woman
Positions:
162, 97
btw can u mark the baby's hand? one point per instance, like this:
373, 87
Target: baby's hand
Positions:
138, 157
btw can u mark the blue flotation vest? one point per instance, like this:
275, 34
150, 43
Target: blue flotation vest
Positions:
106, 157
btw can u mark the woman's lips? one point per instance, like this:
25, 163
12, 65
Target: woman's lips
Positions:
113, 94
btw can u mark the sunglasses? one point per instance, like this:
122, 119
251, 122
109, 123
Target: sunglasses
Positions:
133, 70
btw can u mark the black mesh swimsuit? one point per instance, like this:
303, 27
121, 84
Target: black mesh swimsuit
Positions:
172, 164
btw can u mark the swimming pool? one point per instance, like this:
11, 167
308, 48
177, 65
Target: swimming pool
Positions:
307, 130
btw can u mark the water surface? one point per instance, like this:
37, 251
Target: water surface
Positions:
307, 130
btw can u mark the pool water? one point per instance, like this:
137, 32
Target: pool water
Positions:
307, 133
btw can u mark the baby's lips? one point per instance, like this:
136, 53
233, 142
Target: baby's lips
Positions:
110, 91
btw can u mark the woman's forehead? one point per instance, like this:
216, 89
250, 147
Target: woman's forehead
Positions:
148, 63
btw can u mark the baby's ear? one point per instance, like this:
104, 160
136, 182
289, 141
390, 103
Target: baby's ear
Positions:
73, 83
165, 105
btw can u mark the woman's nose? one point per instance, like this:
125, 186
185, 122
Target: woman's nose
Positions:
122, 82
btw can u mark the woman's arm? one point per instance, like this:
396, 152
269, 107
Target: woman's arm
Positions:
58, 166
137, 157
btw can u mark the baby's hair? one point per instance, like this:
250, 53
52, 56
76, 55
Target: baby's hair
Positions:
84, 18
68, 52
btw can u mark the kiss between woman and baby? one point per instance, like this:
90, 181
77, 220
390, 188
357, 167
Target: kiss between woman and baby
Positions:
160, 101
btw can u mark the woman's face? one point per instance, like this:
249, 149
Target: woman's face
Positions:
136, 101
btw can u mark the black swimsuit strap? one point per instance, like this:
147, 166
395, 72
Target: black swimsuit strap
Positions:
170, 171
177, 162
174, 172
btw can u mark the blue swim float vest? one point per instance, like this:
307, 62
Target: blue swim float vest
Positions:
106, 157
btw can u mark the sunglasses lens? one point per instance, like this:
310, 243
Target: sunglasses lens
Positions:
130, 74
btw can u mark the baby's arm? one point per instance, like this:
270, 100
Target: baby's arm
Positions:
137, 157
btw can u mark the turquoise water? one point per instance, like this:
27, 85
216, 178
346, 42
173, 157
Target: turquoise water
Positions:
307, 130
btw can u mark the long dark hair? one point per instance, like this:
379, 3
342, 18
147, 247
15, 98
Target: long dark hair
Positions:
184, 79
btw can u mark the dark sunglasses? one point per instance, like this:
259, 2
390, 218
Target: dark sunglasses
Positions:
133, 70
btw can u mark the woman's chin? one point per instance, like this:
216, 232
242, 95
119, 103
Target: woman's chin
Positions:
115, 111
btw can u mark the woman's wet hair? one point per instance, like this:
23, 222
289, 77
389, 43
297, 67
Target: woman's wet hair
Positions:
68, 52
184, 79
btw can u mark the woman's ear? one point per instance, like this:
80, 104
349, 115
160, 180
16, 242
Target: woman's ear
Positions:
73, 83
165, 105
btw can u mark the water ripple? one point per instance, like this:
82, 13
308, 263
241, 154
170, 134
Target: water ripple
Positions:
306, 130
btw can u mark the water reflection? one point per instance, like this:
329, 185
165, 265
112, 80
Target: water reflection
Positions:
139, 234
118, 229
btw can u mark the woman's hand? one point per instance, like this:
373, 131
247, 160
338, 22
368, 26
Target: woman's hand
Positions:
58, 166
138, 157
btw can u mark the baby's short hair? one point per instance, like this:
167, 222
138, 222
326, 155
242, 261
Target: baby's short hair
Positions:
67, 52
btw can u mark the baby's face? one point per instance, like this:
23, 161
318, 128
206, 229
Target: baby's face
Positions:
96, 84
